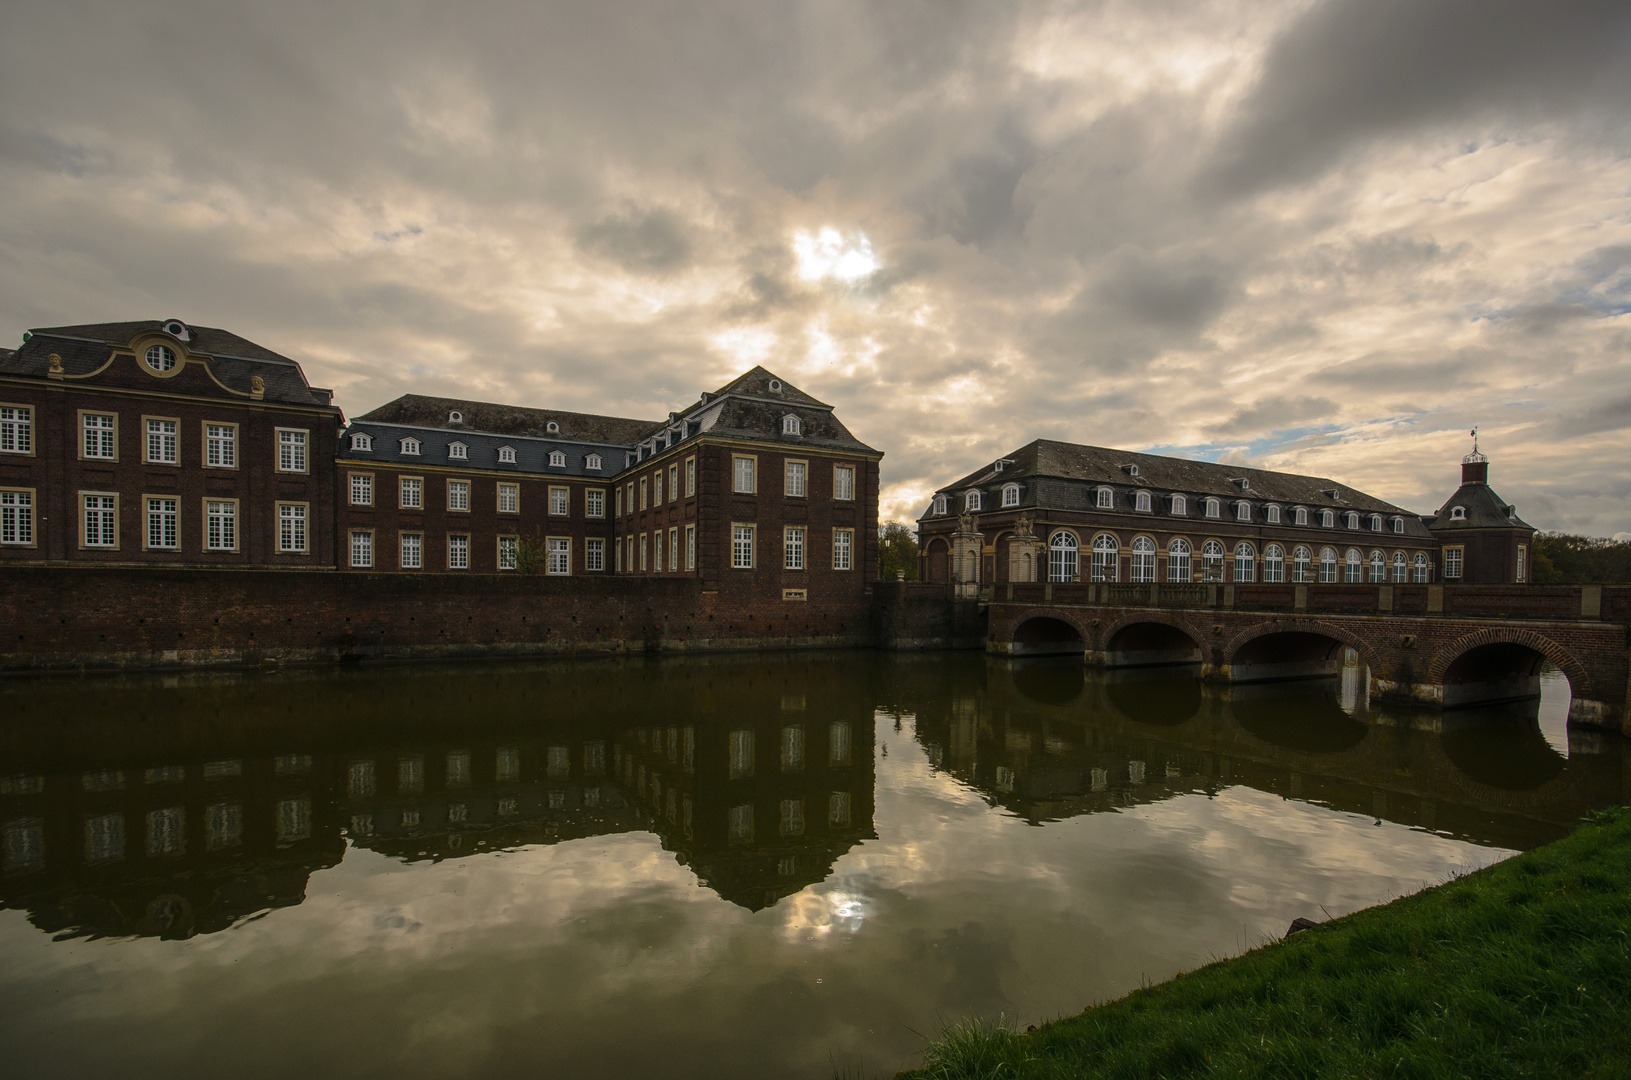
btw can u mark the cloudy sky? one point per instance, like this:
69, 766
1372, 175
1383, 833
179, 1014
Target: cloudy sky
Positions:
1320, 236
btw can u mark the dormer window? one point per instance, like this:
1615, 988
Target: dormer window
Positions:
552, 427
790, 425
1272, 513
458, 451
557, 459
1010, 495
592, 463
362, 441
971, 500
1241, 482
1458, 513
1299, 516
455, 417
1398, 524
1376, 523
1353, 520
410, 446
1107, 499
1214, 508
939, 505
177, 330
1180, 505
1328, 518
775, 386
1243, 510
506, 455
161, 357
1130, 470
1141, 502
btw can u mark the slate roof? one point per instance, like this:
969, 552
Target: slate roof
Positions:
1094, 465
1485, 510
747, 408
481, 450
420, 410
232, 359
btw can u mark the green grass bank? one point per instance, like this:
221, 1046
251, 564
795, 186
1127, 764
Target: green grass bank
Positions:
1521, 969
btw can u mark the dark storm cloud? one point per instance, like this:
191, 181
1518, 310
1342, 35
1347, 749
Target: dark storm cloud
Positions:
643, 242
1354, 70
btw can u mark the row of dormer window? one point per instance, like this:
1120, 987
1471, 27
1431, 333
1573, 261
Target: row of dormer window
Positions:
458, 451
1178, 506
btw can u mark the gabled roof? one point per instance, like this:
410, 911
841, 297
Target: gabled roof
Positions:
420, 410
233, 360
1158, 473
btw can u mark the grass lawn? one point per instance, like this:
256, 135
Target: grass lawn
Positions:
1521, 969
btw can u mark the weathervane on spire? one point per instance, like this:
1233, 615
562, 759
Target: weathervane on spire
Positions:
1475, 455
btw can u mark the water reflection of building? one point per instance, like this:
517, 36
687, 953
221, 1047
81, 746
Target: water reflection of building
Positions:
759, 778
1047, 741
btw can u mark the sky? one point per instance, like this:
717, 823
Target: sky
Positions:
1325, 237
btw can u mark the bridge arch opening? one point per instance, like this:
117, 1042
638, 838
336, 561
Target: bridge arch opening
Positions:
1493, 673
1151, 644
1042, 635
1288, 654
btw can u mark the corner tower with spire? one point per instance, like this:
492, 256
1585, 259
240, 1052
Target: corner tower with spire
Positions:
1482, 541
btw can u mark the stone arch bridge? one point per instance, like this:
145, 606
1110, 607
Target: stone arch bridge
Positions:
1435, 646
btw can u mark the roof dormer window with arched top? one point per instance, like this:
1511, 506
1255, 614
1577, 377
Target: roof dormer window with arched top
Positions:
939, 505
1214, 508
1142, 502
1328, 519
592, 463
455, 417
1376, 523
1010, 494
506, 455
458, 451
1353, 519
1271, 514
362, 441
971, 500
1243, 510
791, 426
1299, 516
1458, 513
410, 446
1398, 524
1106, 499
1180, 507
552, 427
557, 459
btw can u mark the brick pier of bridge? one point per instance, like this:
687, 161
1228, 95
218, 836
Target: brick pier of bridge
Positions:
1433, 646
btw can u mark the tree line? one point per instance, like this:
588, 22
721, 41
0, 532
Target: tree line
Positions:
1567, 559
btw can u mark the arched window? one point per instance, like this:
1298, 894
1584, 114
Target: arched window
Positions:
1141, 502
1423, 574
1272, 515
939, 505
1212, 561
1106, 499
1376, 523
1062, 556
1401, 569
1245, 562
506, 455
1105, 552
1378, 568
1353, 519
552, 427
790, 425
458, 451
1299, 516
1328, 518
592, 462
1301, 560
410, 447
1243, 510
1458, 513
1214, 508
455, 417
557, 459
1178, 560
971, 500
1355, 564
1274, 564
1180, 505
1328, 565
1398, 524
1010, 495
360, 441
1143, 559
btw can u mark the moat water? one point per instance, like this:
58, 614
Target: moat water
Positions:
721, 867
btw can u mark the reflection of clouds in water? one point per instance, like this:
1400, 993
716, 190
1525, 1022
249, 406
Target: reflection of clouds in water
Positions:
815, 915
1555, 697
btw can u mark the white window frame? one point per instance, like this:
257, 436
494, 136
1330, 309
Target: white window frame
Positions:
1212, 558
1299, 516
361, 488
1214, 509
16, 429
690, 547
560, 501
17, 516
558, 556
1064, 556
795, 541
1105, 499
557, 459
458, 496
690, 477
673, 549
161, 517
220, 525
508, 498
362, 442
1245, 563
1454, 562
1274, 565
1243, 510
1401, 568
796, 479
361, 549
971, 500
1180, 506
940, 505
407, 484
409, 446
107, 513
221, 444
1328, 519
843, 549
744, 474
1329, 572
791, 426
166, 440
293, 524
458, 451
592, 463
594, 554
410, 550
594, 502
1180, 560
744, 540
293, 450
1271, 514
1010, 495
1143, 502
1398, 525
1106, 557
458, 551
1142, 566
106, 436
